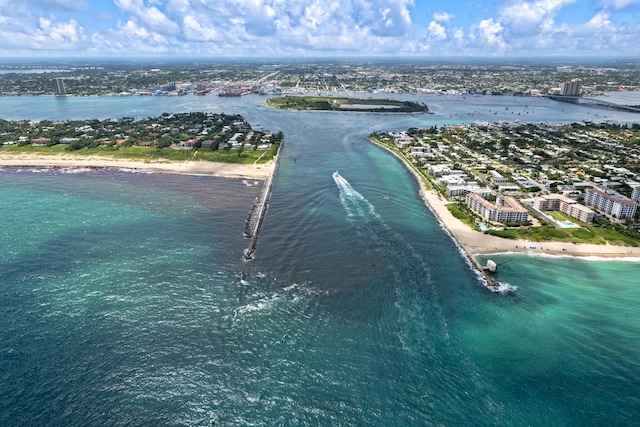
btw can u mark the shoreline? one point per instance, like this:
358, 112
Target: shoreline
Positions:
475, 243
195, 167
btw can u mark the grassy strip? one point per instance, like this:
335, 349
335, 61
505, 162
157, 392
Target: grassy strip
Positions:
153, 153
463, 216
591, 234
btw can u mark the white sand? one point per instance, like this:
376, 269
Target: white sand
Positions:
476, 242
229, 170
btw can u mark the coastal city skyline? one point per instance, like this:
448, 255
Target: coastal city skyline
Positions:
270, 28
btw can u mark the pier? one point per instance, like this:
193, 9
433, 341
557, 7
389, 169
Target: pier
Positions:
258, 210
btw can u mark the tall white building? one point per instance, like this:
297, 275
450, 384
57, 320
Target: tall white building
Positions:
610, 202
571, 88
58, 86
635, 195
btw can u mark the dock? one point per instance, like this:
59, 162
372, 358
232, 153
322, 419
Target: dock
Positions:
258, 210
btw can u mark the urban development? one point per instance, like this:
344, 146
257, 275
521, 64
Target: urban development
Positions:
574, 183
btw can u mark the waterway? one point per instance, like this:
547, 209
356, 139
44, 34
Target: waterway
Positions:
125, 298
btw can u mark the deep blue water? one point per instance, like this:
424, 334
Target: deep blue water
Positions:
124, 298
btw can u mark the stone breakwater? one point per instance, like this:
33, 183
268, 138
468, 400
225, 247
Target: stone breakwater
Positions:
258, 211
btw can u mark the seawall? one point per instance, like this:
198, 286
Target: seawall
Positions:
258, 210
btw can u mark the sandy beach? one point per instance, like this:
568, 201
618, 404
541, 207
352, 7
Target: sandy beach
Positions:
229, 170
476, 243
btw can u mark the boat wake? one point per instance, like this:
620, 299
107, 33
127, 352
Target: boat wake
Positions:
408, 269
354, 203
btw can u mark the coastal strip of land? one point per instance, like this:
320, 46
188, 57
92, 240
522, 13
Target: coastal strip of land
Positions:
477, 243
227, 170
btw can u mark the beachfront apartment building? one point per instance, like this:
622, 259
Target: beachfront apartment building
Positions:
635, 194
506, 210
610, 202
557, 202
420, 151
471, 187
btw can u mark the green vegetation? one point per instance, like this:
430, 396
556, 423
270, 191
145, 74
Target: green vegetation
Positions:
462, 212
172, 137
323, 103
595, 234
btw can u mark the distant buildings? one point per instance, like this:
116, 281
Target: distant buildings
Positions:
571, 88
610, 202
58, 86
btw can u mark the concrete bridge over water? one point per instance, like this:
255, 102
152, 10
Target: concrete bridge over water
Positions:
592, 102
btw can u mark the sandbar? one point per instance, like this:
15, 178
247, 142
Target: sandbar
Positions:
195, 167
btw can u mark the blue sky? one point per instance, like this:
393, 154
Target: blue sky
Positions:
312, 28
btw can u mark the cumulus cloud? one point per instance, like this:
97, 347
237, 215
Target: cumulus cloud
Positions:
151, 16
436, 31
309, 27
528, 17
488, 33
599, 22
442, 17
58, 35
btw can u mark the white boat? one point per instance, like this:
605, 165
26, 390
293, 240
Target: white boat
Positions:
336, 175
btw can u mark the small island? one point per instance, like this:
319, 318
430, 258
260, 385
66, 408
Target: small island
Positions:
325, 103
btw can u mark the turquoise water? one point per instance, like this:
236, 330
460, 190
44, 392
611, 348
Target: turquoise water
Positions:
125, 300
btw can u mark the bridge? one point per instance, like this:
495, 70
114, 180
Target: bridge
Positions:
592, 102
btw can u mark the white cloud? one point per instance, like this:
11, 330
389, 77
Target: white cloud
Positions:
488, 33
57, 35
526, 17
436, 31
442, 17
150, 16
194, 30
599, 22
311, 27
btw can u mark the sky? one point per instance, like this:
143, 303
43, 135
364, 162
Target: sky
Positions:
316, 28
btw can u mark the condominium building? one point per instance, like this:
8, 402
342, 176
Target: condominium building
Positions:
571, 88
579, 212
506, 209
58, 86
557, 202
635, 194
610, 202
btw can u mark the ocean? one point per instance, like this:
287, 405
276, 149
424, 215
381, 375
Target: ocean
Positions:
125, 298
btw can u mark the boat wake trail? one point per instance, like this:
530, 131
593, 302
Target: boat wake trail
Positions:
354, 203
404, 267
418, 321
